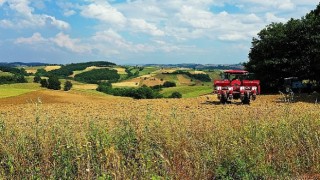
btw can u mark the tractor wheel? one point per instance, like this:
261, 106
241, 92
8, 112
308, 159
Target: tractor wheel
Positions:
223, 99
246, 100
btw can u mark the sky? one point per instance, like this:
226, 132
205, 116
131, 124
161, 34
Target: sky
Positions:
138, 31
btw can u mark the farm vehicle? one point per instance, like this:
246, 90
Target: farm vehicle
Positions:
236, 84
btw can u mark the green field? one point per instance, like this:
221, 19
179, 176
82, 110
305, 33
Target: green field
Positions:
148, 70
188, 91
9, 90
5, 73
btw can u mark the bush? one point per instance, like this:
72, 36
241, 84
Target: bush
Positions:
44, 83
169, 84
54, 83
36, 78
67, 86
96, 75
176, 95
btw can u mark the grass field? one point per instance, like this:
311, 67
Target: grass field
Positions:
9, 90
5, 73
188, 91
77, 135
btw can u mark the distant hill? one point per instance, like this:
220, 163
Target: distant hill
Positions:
16, 64
199, 66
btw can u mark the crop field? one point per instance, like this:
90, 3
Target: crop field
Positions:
188, 91
10, 90
82, 135
50, 68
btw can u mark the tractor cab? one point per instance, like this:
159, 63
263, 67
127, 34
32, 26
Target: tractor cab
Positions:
236, 84
292, 84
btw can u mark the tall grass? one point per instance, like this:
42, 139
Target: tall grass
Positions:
154, 148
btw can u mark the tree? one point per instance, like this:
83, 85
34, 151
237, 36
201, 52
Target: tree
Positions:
169, 84
44, 83
176, 95
37, 78
54, 83
286, 49
67, 85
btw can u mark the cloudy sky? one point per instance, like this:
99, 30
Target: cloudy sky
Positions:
138, 31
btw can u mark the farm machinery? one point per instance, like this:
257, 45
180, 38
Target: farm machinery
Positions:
236, 84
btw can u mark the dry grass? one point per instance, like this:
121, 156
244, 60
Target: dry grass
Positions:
121, 70
90, 136
126, 84
50, 68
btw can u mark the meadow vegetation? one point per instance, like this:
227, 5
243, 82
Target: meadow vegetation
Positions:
93, 137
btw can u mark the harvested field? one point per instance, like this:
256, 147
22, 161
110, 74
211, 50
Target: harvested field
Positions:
126, 84
50, 68
184, 79
195, 138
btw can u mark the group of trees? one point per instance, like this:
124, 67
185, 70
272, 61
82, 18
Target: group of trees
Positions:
52, 83
143, 92
67, 70
287, 49
96, 75
17, 75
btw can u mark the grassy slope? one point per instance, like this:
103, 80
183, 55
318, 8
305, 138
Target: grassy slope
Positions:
187, 91
9, 90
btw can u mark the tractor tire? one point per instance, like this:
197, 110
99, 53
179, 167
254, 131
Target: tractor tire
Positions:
246, 100
223, 100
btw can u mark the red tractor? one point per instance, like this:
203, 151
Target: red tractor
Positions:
236, 84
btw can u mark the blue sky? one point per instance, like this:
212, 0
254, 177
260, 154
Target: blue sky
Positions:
138, 31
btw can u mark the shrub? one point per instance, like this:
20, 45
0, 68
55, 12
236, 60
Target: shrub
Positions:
169, 84
67, 86
36, 78
176, 95
54, 83
44, 83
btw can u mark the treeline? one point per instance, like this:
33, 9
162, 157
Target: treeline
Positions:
143, 92
200, 77
16, 71
96, 75
67, 70
290, 49
16, 77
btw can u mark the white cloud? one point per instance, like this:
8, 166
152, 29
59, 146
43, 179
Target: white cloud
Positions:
2, 2
104, 12
24, 17
6, 24
64, 41
36, 38
69, 13
270, 17
140, 25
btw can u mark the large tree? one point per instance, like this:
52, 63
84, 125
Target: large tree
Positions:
287, 49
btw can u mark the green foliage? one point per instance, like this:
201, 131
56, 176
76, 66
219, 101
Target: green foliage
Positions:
41, 72
169, 84
37, 78
17, 77
176, 95
68, 69
17, 71
54, 83
286, 50
97, 75
200, 77
67, 85
44, 83
143, 92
